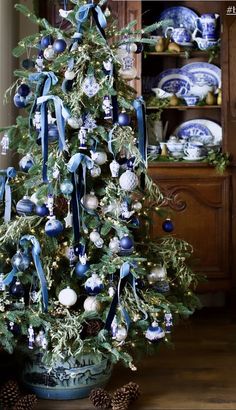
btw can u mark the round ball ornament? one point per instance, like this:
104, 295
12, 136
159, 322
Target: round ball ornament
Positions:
66, 187
19, 102
53, 133
128, 181
41, 210
137, 206
75, 122
154, 333
25, 206
99, 157
46, 41
49, 53
114, 244
94, 235
26, 163
120, 334
20, 261
126, 242
17, 289
69, 75
168, 225
95, 171
123, 119
90, 201
59, 45
81, 269
158, 273
53, 227
139, 48
67, 297
23, 90
91, 304
93, 285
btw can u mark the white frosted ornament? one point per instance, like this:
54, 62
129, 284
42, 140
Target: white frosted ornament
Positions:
114, 244
91, 304
114, 167
95, 171
157, 274
49, 53
120, 334
128, 180
75, 122
90, 201
69, 75
94, 235
67, 297
137, 206
99, 157
132, 47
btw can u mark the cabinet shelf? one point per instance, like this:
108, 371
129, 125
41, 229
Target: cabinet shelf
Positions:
182, 54
186, 107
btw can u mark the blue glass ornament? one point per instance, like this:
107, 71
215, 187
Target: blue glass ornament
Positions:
20, 261
53, 227
20, 102
27, 64
66, 187
139, 48
162, 286
135, 222
17, 289
25, 206
123, 119
23, 90
93, 285
53, 133
26, 163
46, 41
168, 225
126, 242
59, 45
80, 269
41, 210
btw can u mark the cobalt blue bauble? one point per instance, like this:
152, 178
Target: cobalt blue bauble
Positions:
26, 163
27, 64
66, 187
53, 227
46, 41
123, 119
135, 222
168, 225
126, 242
41, 210
20, 261
25, 206
59, 45
53, 133
20, 102
80, 269
139, 48
23, 90
17, 289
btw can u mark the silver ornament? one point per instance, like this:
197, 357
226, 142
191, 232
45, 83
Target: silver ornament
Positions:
94, 235
69, 75
90, 201
95, 171
75, 122
157, 273
91, 304
128, 180
121, 334
99, 157
49, 53
114, 244
137, 206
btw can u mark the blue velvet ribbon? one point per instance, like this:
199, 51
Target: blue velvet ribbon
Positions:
62, 114
9, 278
82, 15
36, 250
5, 190
139, 106
78, 162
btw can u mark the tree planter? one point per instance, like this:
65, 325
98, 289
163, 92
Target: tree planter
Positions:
65, 380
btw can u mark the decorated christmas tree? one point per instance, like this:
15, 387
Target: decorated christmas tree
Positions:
81, 275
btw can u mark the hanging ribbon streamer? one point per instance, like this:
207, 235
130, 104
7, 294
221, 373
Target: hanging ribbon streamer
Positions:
115, 111
78, 162
5, 190
36, 250
62, 114
9, 278
139, 106
82, 15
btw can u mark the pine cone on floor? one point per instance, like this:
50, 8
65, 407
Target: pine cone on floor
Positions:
100, 398
120, 399
133, 390
26, 402
9, 394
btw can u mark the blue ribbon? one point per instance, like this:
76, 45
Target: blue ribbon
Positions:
139, 106
62, 114
5, 188
36, 250
82, 15
8, 279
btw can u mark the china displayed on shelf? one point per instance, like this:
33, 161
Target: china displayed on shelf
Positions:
175, 81
180, 35
179, 16
204, 73
207, 26
201, 130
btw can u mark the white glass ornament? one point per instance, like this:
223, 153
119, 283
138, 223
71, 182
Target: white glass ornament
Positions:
114, 244
128, 180
69, 74
94, 236
67, 297
90, 201
132, 47
137, 206
158, 273
108, 65
114, 167
91, 304
107, 12
90, 86
99, 243
99, 157
120, 334
4, 144
95, 171
49, 53
75, 122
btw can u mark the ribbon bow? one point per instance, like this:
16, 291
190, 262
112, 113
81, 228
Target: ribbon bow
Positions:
5, 176
139, 106
62, 114
36, 250
82, 15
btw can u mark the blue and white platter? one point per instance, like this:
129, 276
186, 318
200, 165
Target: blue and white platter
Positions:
180, 16
204, 131
203, 73
175, 81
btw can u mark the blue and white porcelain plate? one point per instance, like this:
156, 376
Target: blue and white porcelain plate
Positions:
175, 81
180, 16
205, 131
204, 73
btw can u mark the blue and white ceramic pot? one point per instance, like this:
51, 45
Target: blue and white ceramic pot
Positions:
65, 380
